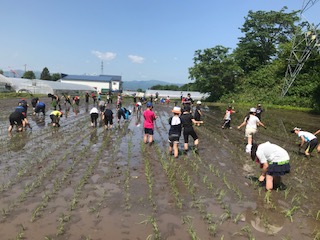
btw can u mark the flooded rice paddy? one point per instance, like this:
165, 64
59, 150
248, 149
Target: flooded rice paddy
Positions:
78, 182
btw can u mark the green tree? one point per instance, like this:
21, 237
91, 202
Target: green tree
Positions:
1, 71
264, 31
45, 74
214, 71
55, 76
29, 75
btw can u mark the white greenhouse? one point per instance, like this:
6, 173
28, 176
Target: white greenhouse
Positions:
36, 86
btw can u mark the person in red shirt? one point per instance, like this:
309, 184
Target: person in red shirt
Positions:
149, 118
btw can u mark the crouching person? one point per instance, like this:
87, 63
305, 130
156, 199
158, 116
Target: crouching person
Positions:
274, 162
55, 117
16, 119
175, 132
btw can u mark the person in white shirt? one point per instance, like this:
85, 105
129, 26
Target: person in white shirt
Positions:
274, 162
94, 114
306, 137
252, 122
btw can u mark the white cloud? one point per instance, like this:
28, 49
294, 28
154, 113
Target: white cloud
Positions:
108, 56
136, 59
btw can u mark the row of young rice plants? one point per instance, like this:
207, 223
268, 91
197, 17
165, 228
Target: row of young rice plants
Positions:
150, 178
35, 183
37, 157
73, 202
60, 180
180, 183
105, 154
36, 149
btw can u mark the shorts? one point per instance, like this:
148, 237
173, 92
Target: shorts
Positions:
15, 121
54, 118
275, 169
94, 117
250, 132
148, 131
107, 121
311, 145
174, 138
187, 133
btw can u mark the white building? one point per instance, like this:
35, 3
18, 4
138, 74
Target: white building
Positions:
102, 83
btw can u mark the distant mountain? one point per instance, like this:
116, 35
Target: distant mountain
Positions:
144, 85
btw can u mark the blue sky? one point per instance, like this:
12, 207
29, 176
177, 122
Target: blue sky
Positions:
137, 39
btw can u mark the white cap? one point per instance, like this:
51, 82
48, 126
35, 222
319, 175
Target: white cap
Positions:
253, 110
199, 102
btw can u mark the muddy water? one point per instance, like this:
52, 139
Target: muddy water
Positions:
77, 182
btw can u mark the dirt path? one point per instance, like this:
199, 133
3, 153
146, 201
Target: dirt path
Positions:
77, 182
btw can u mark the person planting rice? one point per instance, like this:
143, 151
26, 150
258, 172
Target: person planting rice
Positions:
274, 162
94, 114
108, 118
252, 122
16, 119
308, 138
40, 107
174, 131
55, 117
187, 121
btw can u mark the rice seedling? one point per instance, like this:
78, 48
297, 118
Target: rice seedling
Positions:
289, 212
156, 233
188, 220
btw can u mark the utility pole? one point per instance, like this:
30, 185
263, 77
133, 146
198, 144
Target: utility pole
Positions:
101, 67
304, 41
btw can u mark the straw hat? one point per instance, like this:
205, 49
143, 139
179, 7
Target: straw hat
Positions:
176, 110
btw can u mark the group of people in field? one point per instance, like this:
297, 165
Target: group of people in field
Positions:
273, 159
181, 123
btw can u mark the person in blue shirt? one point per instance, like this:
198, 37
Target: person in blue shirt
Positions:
40, 107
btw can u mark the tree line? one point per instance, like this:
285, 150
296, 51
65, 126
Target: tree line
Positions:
254, 71
45, 75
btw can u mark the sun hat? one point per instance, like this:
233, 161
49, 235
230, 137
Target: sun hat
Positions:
149, 104
295, 128
199, 102
176, 110
253, 110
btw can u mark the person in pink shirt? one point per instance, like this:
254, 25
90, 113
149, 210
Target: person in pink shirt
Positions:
149, 118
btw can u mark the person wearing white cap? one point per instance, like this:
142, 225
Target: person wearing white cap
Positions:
198, 113
252, 122
175, 132
274, 162
306, 137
